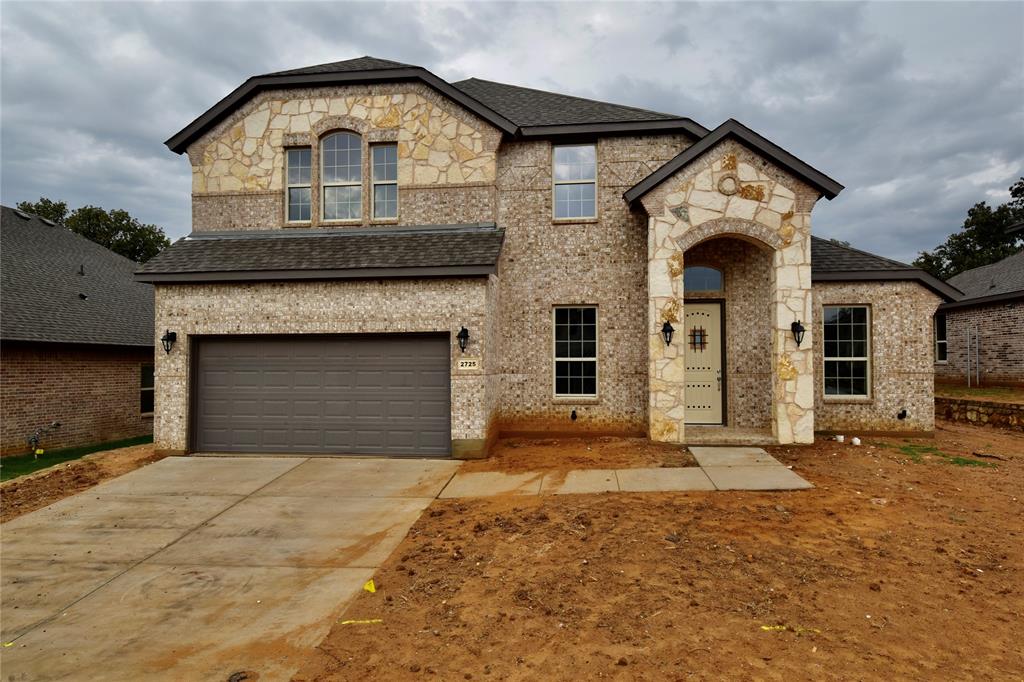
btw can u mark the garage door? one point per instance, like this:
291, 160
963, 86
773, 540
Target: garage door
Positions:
366, 394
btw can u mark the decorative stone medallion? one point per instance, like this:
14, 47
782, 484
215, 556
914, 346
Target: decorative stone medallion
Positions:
787, 372
728, 184
752, 192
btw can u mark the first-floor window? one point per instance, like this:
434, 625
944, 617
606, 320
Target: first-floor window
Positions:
146, 389
576, 351
300, 205
940, 337
847, 350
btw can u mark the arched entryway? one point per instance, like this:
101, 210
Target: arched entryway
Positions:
726, 336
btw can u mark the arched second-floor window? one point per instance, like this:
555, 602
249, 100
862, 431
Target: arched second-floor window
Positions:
698, 278
341, 176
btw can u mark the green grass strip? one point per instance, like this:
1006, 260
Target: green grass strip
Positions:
19, 465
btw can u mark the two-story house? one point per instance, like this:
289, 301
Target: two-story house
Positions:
384, 262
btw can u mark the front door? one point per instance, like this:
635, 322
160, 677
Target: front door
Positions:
703, 343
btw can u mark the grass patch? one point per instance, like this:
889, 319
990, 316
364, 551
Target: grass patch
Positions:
1006, 394
916, 453
19, 465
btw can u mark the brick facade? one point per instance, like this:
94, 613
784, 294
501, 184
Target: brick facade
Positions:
901, 358
332, 307
456, 168
93, 391
1000, 353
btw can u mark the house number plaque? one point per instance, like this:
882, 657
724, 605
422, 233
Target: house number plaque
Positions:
469, 363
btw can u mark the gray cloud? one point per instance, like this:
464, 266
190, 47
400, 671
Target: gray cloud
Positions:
918, 108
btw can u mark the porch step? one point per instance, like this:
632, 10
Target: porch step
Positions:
727, 435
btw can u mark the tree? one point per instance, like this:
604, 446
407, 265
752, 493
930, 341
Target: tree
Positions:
982, 240
116, 229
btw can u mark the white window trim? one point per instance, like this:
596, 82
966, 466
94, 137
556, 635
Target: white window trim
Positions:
150, 389
289, 186
866, 359
937, 341
555, 359
374, 183
360, 183
555, 183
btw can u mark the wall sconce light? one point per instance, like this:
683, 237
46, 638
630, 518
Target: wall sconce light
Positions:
798, 332
168, 339
667, 330
463, 337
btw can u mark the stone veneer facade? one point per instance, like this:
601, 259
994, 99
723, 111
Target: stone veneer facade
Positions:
447, 157
731, 191
730, 209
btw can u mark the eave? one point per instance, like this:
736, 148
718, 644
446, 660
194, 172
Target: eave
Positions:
733, 129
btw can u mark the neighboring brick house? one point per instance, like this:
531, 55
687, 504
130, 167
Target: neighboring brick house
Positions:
983, 332
385, 262
76, 339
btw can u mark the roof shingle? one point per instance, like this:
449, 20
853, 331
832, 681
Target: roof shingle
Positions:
346, 253
46, 270
530, 107
1003, 277
365, 63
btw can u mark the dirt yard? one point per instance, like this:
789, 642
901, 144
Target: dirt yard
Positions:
517, 455
905, 562
34, 491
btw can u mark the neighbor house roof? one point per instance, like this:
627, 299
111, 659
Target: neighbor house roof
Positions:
834, 262
514, 110
1001, 281
420, 251
60, 287
733, 129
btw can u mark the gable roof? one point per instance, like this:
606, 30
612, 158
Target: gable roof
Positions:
733, 129
832, 262
539, 112
45, 270
351, 71
419, 251
513, 110
1003, 277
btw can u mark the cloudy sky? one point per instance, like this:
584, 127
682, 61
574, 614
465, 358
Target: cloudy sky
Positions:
918, 108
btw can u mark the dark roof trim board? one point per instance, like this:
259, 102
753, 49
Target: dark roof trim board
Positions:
683, 125
179, 142
930, 282
1008, 297
733, 129
341, 273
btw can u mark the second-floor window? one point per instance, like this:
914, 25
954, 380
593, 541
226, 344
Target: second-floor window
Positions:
385, 181
300, 205
341, 176
575, 181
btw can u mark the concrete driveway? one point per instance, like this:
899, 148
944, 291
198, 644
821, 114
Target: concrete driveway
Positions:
197, 568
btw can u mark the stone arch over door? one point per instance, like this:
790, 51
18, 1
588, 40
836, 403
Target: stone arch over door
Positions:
762, 235
785, 238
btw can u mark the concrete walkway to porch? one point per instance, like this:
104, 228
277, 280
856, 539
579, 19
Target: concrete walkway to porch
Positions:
720, 468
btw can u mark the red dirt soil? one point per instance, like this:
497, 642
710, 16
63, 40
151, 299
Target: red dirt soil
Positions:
519, 455
27, 493
895, 566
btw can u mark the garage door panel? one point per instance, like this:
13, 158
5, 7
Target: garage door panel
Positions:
369, 394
